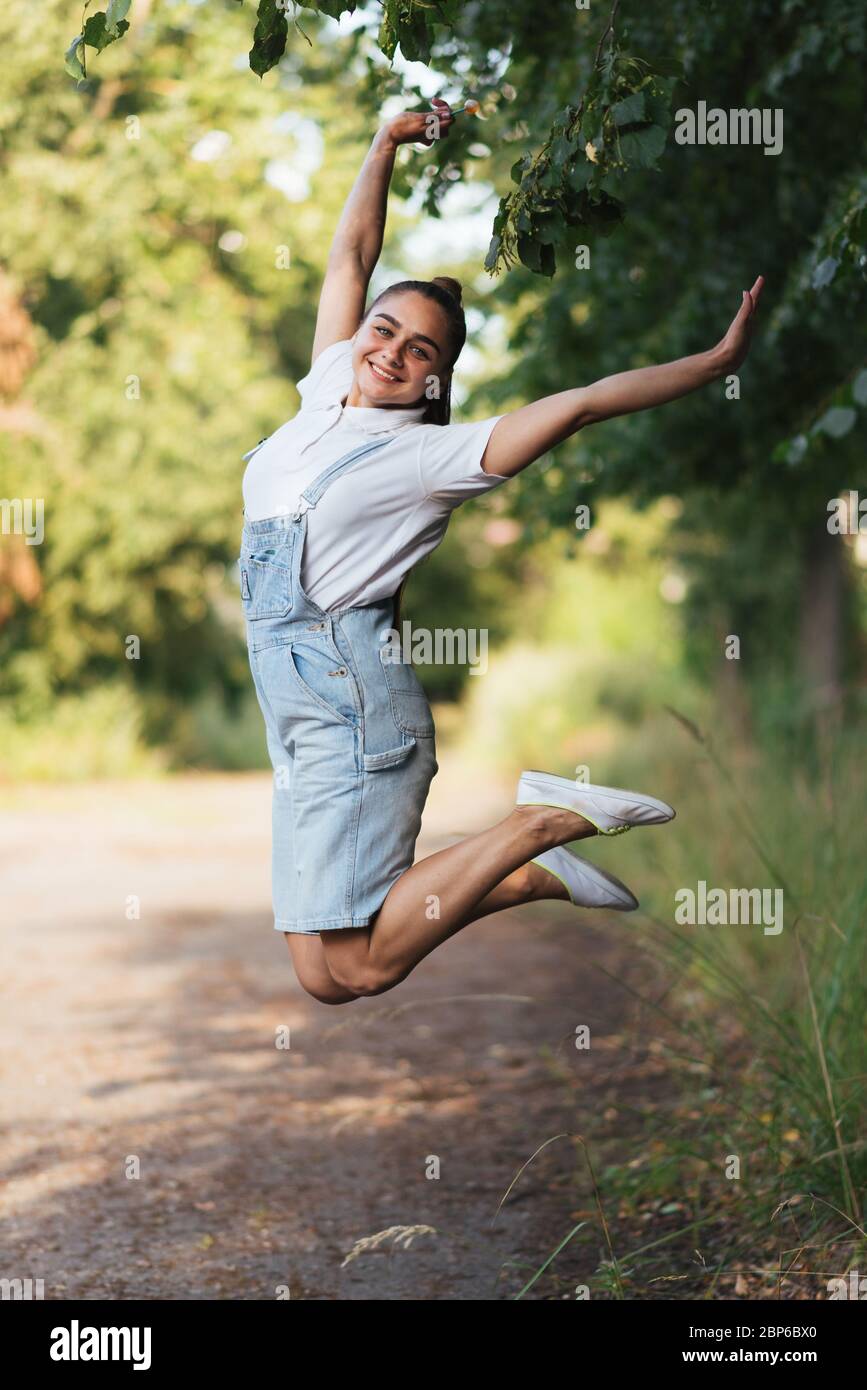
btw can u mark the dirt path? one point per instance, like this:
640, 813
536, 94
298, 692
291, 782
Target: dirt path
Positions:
153, 1038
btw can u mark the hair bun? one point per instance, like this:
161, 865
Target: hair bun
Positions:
452, 287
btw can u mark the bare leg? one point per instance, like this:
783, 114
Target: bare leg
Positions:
438, 896
530, 883
311, 968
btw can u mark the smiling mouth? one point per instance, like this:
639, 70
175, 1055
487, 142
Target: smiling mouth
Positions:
380, 373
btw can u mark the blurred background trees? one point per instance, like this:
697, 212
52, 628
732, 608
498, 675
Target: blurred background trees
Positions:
165, 229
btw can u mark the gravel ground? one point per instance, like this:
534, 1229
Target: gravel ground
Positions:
156, 1143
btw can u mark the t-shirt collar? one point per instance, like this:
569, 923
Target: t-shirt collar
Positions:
372, 420
367, 419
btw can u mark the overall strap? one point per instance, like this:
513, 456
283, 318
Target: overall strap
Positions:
314, 491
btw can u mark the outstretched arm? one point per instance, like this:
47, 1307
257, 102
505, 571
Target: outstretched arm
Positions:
526, 434
358, 238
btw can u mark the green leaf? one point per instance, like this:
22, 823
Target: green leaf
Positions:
859, 388
642, 148
603, 213
334, 8
72, 61
415, 39
581, 175
825, 272
591, 125
657, 103
388, 29
529, 252
493, 253
387, 38
837, 421
612, 181
269, 37
97, 36
547, 259
548, 223
629, 110
562, 150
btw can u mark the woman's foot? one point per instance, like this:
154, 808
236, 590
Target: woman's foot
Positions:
586, 884
559, 873
555, 826
532, 883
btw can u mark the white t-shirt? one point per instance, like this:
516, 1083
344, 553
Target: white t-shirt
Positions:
387, 511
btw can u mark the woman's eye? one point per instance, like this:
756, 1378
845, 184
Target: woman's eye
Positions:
386, 332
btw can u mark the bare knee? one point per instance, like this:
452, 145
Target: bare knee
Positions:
333, 993
313, 972
366, 981
361, 977
343, 985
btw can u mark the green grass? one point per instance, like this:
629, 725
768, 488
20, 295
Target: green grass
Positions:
762, 1036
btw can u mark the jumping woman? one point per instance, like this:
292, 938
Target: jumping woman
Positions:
339, 504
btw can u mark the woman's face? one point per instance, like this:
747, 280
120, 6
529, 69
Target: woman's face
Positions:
400, 352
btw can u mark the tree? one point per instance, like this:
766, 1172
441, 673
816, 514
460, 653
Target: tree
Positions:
161, 255
168, 284
622, 246
586, 100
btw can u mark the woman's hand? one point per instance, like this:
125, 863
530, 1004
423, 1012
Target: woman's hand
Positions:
730, 352
417, 127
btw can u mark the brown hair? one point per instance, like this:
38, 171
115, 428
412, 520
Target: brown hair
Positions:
447, 293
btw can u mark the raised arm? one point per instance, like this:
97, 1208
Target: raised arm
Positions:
358, 238
526, 434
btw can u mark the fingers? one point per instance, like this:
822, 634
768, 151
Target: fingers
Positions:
740, 324
444, 115
435, 123
750, 299
756, 290
737, 339
443, 110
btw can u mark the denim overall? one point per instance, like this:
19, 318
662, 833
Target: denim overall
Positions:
350, 732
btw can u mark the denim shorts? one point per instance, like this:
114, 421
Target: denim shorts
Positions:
349, 732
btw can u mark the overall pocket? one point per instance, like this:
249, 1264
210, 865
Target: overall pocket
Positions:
410, 708
266, 579
321, 673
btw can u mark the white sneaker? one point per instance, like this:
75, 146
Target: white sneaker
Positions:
611, 809
587, 884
